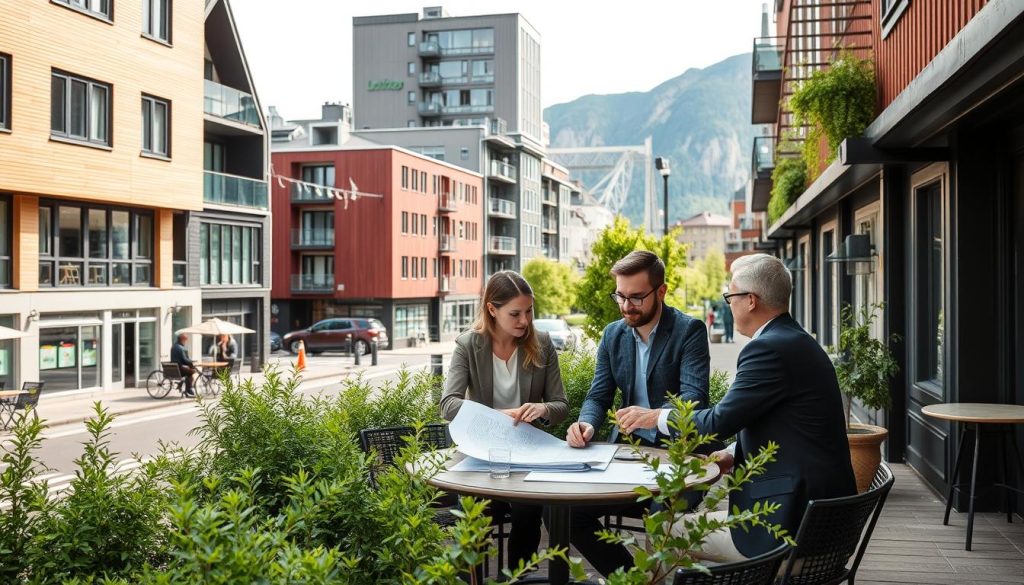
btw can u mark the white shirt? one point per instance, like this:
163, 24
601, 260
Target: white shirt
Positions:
665, 412
506, 381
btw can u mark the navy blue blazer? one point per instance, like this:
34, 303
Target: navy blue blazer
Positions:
679, 364
179, 355
785, 391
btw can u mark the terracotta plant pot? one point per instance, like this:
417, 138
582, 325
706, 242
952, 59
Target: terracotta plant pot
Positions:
865, 452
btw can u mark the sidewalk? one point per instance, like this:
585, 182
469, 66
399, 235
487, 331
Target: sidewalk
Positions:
74, 407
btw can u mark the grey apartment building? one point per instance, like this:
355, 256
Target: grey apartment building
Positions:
432, 74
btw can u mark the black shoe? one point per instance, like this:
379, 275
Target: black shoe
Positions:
189, 394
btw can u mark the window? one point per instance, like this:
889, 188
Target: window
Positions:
423, 268
412, 39
156, 123
405, 177
891, 11
464, 153
415, 269
156, 19
179, 259
412, 97
410, 320
405, 267
79, 109
324, 135
415, 180
405, 222
930, 278
5, 242
423, 181
319, 175
829, 289
410, 123
229, 254
94, 246
410, 68
5, 91
100, 8
423, 224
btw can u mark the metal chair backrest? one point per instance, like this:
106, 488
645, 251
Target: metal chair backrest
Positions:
31, 397
236, 368
833, 531
170, 370
760, 570
387, 442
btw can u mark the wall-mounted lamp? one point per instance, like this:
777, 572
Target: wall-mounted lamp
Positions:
857, 252
33, 315
795, 264
174, 310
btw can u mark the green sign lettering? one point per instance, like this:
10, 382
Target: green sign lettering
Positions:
386, 85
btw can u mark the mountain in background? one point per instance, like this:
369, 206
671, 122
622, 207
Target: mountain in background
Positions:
700, 120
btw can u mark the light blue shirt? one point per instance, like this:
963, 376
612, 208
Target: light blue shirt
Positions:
640, 398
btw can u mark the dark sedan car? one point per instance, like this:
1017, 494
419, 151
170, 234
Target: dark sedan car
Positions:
336, 334
275, 341
561, 336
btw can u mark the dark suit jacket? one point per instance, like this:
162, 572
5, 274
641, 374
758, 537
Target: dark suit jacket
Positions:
471, 377
179, 355
785, 391
679, 364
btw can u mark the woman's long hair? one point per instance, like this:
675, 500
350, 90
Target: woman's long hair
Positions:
502, 287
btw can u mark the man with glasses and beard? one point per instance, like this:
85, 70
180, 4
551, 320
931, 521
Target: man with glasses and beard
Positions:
653, 352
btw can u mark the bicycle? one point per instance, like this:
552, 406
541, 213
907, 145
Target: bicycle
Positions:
160, 382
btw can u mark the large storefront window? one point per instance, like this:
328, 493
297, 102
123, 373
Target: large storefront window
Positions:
458, 316
244, 312
69, 354
411, 320
7, 355
89, 246
229, 254
930, 299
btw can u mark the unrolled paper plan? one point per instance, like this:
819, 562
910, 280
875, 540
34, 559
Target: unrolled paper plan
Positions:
477, 429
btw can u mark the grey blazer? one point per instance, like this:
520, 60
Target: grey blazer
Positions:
471, 377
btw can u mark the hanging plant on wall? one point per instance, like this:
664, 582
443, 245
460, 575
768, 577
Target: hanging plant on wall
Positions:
837, 103
788, 181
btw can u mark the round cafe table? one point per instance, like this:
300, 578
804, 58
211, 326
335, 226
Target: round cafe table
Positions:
973, 415
558, 497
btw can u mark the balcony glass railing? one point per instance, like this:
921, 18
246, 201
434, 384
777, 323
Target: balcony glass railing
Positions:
430, 108
550, 197
447, 202
497, 126
430, 78
445, 285
447, 243
312, 238
763, 156
502, 169
549, 225
477, 50
224, 189
430, 48
229, 103
306, 192
502, 245
503, 207
767, 54
312, 282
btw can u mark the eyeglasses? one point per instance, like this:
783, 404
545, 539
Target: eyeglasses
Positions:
727, 296
634, 300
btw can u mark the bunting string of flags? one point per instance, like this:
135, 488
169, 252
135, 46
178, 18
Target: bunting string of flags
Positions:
324, 192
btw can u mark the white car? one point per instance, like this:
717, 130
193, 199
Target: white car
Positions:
561, 336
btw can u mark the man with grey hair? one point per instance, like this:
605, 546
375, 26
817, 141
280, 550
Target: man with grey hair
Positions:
785, 391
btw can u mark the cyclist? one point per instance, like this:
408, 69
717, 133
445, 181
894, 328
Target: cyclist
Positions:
179, 355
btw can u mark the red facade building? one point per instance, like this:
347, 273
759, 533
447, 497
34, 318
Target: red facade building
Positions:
377, 232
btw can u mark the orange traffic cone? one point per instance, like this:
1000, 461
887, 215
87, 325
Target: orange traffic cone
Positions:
300, 364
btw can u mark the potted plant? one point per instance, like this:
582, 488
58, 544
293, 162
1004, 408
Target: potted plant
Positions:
864, 365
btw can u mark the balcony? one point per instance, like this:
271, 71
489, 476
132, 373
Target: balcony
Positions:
549, 225
550, 197
766, 80
497, 134
306, 193
312, 239
430, 79
502, 245
444, 285
224, 189
763, 163
312, 283
502, 208
430, 108
430, 49
447, 203
503, 171
447, 244
461, 51
229, 103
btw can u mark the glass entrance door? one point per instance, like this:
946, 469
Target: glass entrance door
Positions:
134, 348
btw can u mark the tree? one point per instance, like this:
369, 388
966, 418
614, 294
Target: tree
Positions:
552, 284
616, 241
713, 267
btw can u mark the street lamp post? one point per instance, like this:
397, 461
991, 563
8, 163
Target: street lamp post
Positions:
662, 164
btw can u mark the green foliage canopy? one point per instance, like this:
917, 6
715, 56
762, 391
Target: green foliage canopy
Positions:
789, 177
552, 284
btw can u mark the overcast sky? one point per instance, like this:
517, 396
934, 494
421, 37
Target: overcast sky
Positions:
300, 51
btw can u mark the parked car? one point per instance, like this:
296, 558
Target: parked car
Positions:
275, 341
561, 336
336, 333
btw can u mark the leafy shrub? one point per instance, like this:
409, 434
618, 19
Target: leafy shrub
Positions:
864, 365
23, 492
411, 399
577, 367
108, 523
789, 177
717, 387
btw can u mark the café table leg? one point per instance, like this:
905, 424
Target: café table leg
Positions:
974, 478
558, 531
956, 471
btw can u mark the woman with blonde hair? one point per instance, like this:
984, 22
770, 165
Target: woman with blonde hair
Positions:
506, 364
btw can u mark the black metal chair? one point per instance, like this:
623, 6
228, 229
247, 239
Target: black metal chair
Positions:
760, 570
29, 399
833, 531
387, 443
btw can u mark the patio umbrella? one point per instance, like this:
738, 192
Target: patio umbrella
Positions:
8, 333
216, 326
